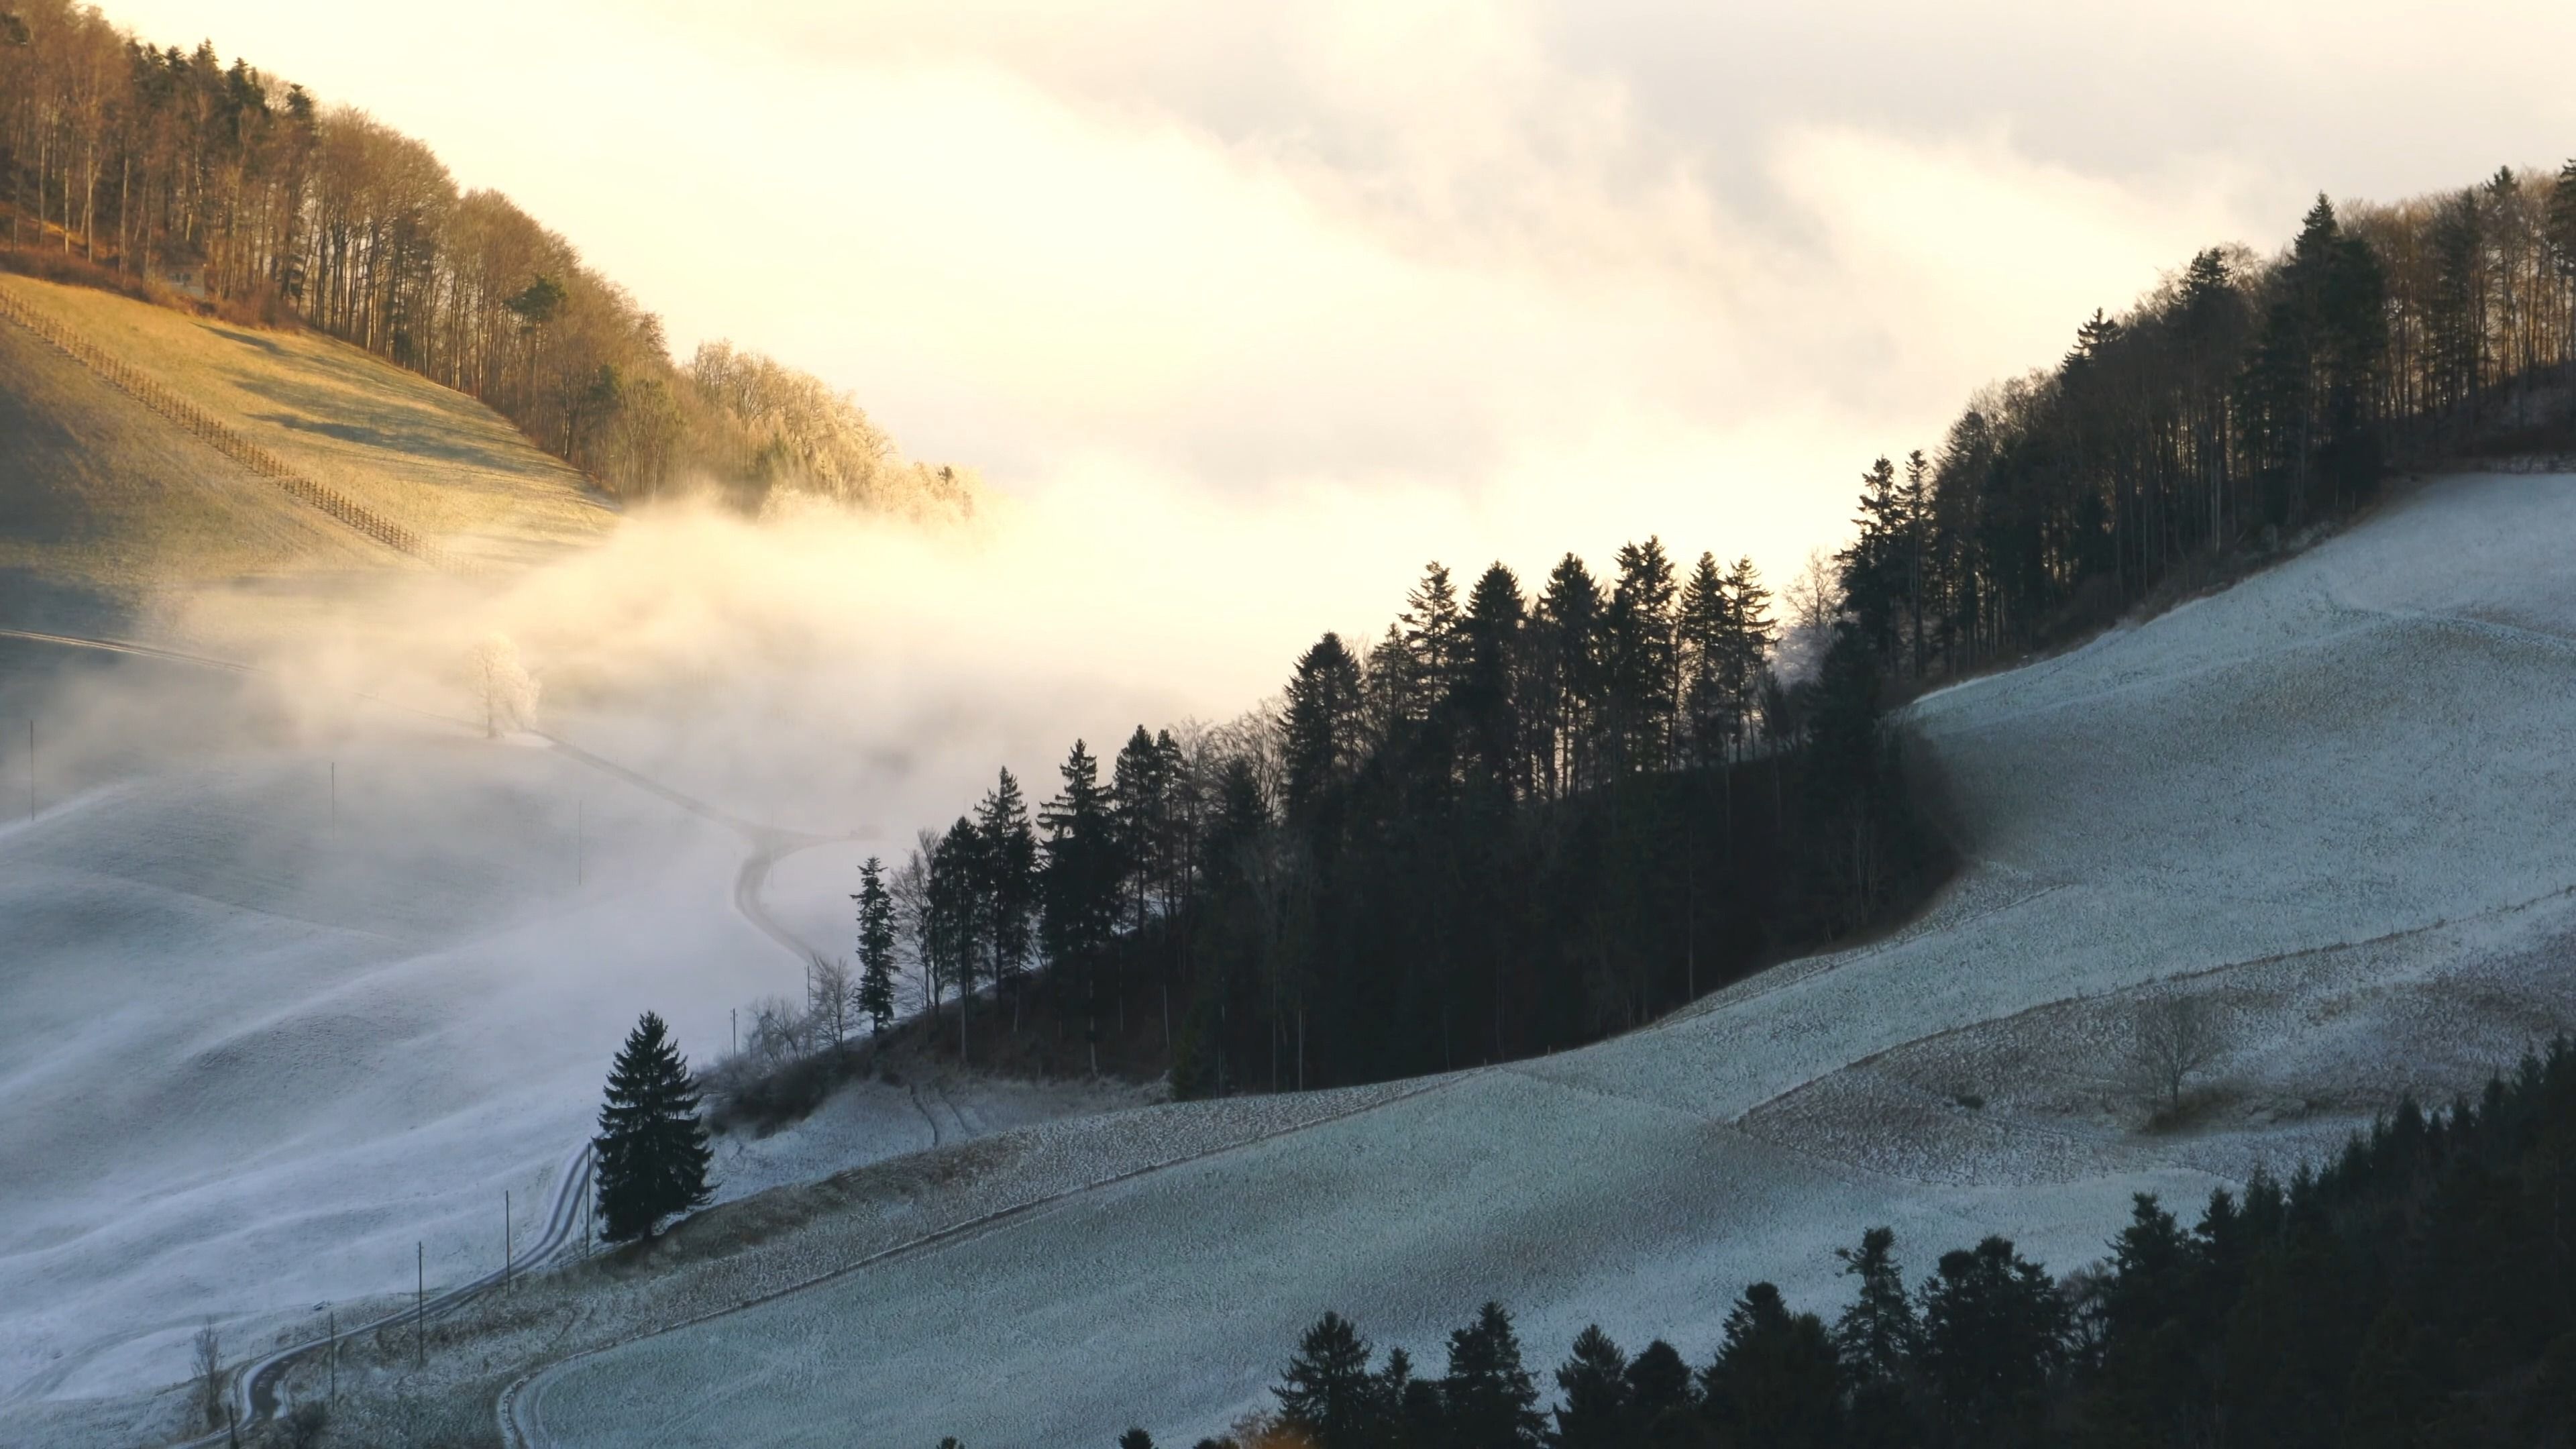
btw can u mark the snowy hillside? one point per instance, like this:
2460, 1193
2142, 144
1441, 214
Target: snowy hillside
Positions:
258, 1039
2333, 798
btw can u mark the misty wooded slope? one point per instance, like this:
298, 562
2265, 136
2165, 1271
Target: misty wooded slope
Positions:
98, 490
2331, 799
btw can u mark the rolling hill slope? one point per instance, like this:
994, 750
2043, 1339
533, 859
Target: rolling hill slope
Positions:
2331, 799
106, 503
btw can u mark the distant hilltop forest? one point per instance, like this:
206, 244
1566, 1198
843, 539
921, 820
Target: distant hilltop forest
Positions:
174, 177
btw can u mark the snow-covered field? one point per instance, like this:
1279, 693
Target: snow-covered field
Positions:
279, 1000
2372, 741
250, 1057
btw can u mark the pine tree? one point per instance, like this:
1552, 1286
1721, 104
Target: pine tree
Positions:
1488, 1396
1434, 646
1877, 1333
1993, 1329
1078, 886
1485, 700
650, 1158
1749, 637
957, 915
1659, 1382
1707, 621
1007, 854
1320, 731
1327, 1392
1641, 638
1776, 1380
1594, 1380
1565, 678
876, 945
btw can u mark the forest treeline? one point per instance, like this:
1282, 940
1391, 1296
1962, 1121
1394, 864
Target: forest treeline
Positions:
122, 161
1526, 816
2243, 400
1509, 824
2414, 1291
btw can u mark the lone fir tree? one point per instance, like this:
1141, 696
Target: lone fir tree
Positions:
651, 1153
876, 945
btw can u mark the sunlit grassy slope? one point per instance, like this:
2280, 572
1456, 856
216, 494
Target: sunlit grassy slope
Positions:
97, 489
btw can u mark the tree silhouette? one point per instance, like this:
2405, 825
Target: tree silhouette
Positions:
650, 1157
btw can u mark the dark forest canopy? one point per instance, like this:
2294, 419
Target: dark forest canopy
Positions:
1511, 824
149, 166
2238, 403
1526, 816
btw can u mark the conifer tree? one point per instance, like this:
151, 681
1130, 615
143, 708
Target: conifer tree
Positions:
1993, 1328
876, 945
1642, 655
1320, 731
1776, 1380
1434, 643
1078, 890
1327, 1392
650, 1158
1707, 622
1659, 1383
1749, 637
1485, 698
1876, 1335
1565, 677
1488, 1397
1007, 855
1594, 1381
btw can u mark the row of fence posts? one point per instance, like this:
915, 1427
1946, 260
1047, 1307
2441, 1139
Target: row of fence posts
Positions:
223, 439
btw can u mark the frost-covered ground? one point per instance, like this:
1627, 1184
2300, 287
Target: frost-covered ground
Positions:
282, 997
2335, 794
249, 1060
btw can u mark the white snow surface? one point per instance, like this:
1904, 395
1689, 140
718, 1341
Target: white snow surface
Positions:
247, 1056
2335, 794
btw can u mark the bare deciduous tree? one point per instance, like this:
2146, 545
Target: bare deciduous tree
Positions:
2170, 1039
209, 1360
507, 689
829, 1000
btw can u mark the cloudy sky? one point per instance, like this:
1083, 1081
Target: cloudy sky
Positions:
1344, 286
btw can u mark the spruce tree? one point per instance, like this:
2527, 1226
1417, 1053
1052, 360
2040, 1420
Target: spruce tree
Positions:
876, 945
1327, 1392
1009, 860
1595, 1384
1876, 1334
1489, 1398
650, 1158
1658, 1383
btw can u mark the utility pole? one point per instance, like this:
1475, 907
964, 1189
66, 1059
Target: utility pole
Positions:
420, 1306
735, 1015
31, 767
505, 1239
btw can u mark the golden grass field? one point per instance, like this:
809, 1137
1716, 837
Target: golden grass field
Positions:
97, 489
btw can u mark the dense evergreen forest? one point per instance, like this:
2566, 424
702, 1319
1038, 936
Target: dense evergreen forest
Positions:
2242, 401
1524, 817
2416, 1291
146, 168
1508, 825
